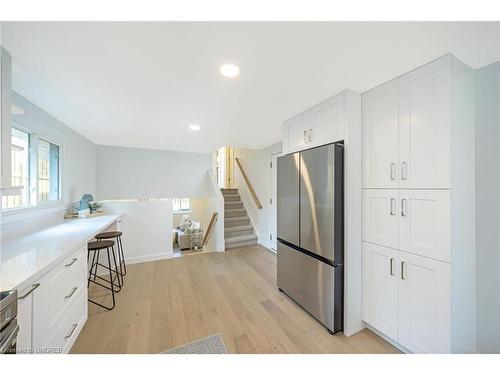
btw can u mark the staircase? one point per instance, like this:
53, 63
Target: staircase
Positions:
238, 230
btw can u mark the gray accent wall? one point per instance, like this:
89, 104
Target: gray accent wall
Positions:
488, 209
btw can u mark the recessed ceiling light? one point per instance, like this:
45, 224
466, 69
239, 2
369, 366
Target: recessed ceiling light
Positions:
194, 127
159, 141
229, 70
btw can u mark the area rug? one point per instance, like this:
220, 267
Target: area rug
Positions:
207, 345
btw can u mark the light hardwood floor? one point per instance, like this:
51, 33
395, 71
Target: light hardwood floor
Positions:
172, 302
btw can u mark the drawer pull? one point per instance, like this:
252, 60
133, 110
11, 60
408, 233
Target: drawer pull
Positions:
71, 263
72, 292
403, 275
391, 267
29, 292
71, 332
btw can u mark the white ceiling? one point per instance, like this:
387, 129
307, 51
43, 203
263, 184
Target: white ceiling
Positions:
129, 84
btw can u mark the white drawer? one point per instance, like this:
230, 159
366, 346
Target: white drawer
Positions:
66, 272
70, 324
60, 285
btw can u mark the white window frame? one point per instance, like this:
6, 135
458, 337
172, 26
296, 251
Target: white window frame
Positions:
33, 204
180, 210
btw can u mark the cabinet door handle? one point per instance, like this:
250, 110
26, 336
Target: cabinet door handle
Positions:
71, 263
404, 170
73, 327
310, 135
71, 293
393, 208
404, 209
391, 267
305, 136
403, 276
29, 291
393, 171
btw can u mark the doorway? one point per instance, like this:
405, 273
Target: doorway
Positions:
274, 198
225, 167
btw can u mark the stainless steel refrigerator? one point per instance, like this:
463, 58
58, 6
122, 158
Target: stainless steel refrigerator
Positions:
311, 231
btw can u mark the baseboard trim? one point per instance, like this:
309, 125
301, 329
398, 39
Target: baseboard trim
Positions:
388, 339
149, 258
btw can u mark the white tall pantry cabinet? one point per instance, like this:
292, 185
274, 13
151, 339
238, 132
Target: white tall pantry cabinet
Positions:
418, 208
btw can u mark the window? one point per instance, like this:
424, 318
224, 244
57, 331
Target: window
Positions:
35, 168
20, 169
181, 204
48, 171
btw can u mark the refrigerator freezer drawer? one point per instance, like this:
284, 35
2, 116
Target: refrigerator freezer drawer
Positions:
313, 284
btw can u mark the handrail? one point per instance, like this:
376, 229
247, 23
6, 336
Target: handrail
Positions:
211, 225
254, 195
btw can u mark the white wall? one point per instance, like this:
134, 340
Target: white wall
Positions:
146, 227
129, 173
488, 209
78, 160
215, 204
256, 166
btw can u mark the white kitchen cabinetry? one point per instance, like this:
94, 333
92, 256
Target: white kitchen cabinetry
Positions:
61, 291
425, 126
299, 132
380, 288
52, 311
380, 217
322, 124
424, 223
424, 304
433, 229
380, 136
24, 319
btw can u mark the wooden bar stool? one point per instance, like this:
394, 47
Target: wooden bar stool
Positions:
121, 256
114, 274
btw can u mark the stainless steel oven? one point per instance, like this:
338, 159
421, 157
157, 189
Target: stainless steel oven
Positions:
8, 322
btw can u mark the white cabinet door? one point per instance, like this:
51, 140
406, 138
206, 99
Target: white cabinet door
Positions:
424, 304
424, 126
380, 217
25, 319
299, 133
328, 121
424, 223
380, 136
380, 289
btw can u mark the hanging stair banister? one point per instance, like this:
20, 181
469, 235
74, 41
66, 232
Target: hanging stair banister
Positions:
249, 185
210, 228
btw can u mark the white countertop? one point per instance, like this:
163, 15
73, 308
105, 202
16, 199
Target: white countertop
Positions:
24, 260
